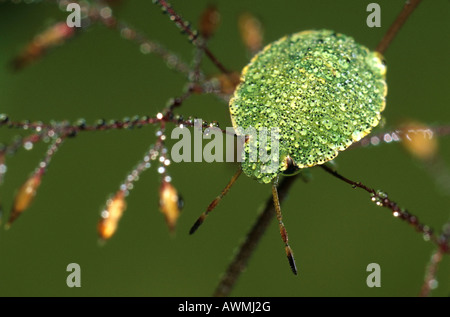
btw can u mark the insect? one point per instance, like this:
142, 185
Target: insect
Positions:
321, 89
335, 237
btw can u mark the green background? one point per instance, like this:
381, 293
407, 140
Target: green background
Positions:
335, 231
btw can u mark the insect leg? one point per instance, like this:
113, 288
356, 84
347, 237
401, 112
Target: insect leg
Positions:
283, 232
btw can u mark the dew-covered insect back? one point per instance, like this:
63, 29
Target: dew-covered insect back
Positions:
321, 89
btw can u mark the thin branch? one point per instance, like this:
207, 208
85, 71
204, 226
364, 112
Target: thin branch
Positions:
392, 136
409, 7
193, 35
430, 281
381, 199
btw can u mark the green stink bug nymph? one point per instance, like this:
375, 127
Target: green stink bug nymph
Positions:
321, 89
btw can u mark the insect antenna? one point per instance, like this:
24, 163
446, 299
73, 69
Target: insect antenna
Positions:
283, 232
215, 202
382, 200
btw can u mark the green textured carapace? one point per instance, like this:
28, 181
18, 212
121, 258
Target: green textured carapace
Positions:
321, 89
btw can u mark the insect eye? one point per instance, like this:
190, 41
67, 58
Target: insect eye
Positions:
291, 167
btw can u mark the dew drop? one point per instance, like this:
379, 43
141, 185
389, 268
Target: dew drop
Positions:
374, 140
267, 179
387, 138
3, 118
433, 284
28, 145
104, 214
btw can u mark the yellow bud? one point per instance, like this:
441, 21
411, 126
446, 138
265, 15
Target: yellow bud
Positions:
170, 204
251, 32
24, 197
419, 140
209, 21
54, 35
110, 217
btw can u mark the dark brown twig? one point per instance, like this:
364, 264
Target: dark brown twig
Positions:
408, 8
193, 36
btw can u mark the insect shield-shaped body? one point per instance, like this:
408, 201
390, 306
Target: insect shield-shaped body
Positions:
320, 89
315, 93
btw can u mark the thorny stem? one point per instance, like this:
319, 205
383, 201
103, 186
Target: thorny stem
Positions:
441, 174
430, 275
65, 129
148, 46
155, 150
193, 36
409, 7
105, 15
43, 131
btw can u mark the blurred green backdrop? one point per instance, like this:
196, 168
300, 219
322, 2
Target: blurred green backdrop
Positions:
335, 231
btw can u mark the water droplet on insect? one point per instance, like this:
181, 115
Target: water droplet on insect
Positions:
327, 124
267, 179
